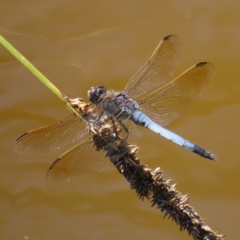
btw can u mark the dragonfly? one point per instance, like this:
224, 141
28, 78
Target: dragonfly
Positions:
148, 100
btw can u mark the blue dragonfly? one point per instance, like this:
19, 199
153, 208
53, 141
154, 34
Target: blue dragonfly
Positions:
146, 101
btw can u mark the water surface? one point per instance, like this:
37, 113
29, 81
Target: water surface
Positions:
79, 44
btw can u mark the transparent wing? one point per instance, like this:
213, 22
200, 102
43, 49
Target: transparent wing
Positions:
135, 134
157, 70
168, 103
51, 137
79, 160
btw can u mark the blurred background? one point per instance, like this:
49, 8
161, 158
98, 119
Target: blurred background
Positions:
79, 44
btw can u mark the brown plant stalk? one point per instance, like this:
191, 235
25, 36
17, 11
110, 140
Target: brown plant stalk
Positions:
149, 184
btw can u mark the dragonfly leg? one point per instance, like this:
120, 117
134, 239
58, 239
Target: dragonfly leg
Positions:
120, 116
114, 128
124, 127
99, 116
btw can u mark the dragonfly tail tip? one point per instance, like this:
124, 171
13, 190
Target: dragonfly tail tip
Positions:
213, 157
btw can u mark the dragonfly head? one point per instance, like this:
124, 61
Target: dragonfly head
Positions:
95, 93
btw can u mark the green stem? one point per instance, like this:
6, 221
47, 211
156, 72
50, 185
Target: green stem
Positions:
38, 74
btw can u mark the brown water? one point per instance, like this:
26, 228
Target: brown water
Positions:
79, 44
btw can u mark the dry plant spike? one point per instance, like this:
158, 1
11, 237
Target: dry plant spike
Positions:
149, 184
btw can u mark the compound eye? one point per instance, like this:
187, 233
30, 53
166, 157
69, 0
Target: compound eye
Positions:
92, 96
101, 90
95, 93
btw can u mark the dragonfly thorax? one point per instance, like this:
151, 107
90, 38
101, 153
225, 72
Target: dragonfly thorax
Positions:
118, 104
114, 103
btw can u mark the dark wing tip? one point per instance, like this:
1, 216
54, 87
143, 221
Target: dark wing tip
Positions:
16, 148
54, 163
167, 37
21, 137
201, 64
206, 65
50, 177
